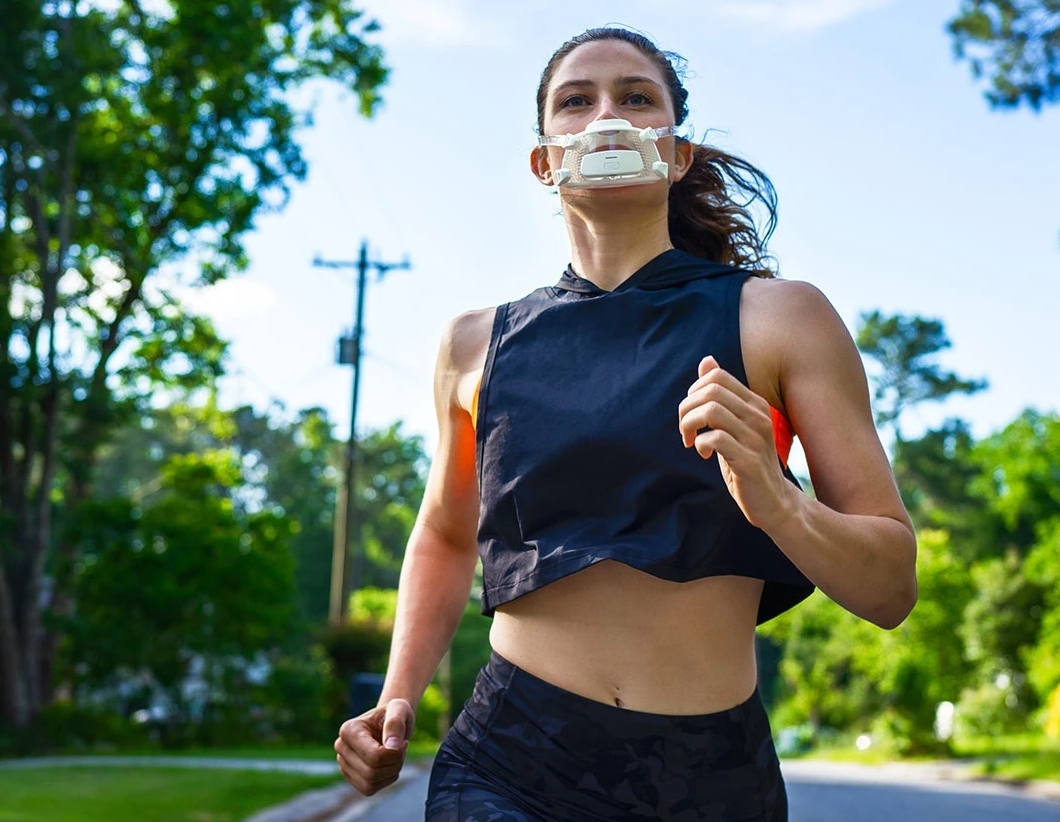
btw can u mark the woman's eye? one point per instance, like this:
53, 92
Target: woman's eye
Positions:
638, 99
574, 101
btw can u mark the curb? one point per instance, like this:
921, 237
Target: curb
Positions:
335, 803
312, 806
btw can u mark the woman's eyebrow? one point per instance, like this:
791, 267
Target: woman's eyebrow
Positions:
629, 80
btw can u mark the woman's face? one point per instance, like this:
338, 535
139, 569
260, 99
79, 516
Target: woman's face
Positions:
604, 80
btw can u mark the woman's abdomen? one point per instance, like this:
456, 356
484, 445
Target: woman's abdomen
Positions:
620, 636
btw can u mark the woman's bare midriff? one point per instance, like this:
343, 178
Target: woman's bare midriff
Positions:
623, 637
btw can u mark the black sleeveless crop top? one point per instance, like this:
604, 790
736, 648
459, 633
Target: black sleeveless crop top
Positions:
579, 455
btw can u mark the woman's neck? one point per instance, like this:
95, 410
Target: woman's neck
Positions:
611, 241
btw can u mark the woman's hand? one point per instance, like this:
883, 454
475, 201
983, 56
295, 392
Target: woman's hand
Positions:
723, 416
371, 747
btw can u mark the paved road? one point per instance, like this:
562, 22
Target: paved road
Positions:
826, 792
821, 792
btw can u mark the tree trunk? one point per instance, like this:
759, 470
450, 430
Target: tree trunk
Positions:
14, 706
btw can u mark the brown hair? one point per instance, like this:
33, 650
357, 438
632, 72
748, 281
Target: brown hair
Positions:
710, 207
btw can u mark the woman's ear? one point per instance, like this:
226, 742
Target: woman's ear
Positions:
683, 158
540, 165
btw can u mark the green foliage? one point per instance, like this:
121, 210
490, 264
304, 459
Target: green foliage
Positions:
1002, 621
358, 646
293, 460
91, 794
468, 653
1014, 45
432, 715
1043, 660
392, 475
290, 465
374, 604
990, 709
302, 700
903, 349
1019, 478
187, 576
66, 727
362, 644
1052, 714
823, 646
133, 137
841, 672
934, 474
921, 663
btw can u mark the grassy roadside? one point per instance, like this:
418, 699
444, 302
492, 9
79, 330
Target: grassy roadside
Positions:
1017, 758
108, 794
1022, 757
88, 793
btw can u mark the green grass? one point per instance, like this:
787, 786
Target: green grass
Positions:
1016, 757
1019, 757
421, 749
322, 753
92, 794
1021, 767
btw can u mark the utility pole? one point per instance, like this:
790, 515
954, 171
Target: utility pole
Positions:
346, 556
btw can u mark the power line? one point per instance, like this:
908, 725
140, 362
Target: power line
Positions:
346, 556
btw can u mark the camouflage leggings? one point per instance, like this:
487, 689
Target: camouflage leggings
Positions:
524, 750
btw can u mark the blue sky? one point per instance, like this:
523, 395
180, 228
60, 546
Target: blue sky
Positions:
899, 190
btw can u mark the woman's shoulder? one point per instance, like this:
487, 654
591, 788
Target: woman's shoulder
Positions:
778, 292
466, 337
788, 310
787, 326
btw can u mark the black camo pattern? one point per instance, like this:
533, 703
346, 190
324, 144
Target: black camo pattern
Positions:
524, 750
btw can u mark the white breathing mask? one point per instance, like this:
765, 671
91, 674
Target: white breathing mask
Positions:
609, 153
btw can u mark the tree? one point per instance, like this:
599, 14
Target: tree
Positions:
904, 350
1043, 569
291, 465
392, 474
1019, 480
1000, 627
186, 579
1015, 44
845, 673
132, 136
937, 475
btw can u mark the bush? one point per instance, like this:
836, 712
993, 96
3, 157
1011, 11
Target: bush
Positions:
373, 604
432, 720
469, 652
304, 699
1052, 714
990, 710
358, 646
64, 727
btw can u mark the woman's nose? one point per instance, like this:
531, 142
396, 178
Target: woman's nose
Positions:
607, 109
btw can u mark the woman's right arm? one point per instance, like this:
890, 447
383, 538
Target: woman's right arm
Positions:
437, 571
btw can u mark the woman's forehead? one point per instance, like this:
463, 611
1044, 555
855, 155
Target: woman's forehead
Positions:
603, 59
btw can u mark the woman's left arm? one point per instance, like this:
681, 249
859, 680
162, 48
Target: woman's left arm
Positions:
855, 540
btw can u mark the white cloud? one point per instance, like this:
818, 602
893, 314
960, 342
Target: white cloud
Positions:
232, 299
800, 15
438, 24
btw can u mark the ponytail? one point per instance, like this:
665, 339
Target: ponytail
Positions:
710, 211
